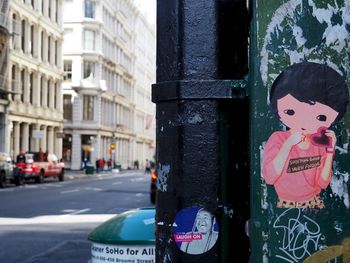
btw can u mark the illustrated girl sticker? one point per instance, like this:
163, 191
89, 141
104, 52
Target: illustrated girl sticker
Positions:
195, 230
308, 98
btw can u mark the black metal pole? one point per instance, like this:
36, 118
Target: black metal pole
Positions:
188, 93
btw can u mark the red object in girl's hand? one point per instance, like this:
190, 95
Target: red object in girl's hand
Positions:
320, 138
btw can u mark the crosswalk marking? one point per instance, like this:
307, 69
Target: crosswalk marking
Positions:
56, 219
70, 191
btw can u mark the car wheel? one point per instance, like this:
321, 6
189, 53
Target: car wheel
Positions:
19, 179
61, 176
40, 178
2, 179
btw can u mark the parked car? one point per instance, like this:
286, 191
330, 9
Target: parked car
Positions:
38, 166
7, 171
153, 190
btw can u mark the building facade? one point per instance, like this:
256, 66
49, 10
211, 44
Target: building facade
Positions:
107, 107
4, 85
144, 72
35, 114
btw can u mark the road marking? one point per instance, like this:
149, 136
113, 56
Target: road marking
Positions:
7, 190
30, 186
70, 191
57, 185
115, 176
93, 189
138, 179
139, 194
56, 219
117, 183
77, 212
68, 210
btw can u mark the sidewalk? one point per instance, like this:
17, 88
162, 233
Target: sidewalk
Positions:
72, 174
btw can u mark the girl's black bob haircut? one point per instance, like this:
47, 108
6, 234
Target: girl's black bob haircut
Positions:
311, 82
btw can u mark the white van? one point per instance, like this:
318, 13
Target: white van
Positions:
7, 170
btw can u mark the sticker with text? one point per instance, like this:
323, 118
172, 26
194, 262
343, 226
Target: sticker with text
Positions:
195, 230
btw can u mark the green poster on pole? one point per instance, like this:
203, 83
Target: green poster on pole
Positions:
300, 155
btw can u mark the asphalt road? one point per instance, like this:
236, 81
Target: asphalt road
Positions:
50, 222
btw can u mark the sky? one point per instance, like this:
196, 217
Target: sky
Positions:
148, 7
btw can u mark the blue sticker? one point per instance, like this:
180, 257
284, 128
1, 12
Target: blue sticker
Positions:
195, 230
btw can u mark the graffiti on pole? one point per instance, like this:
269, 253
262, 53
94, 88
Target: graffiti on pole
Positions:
300, 235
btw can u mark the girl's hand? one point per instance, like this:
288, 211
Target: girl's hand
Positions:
295, 138
331, 134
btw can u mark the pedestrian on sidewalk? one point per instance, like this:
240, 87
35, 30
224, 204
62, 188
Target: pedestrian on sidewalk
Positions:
97, 165
148, 167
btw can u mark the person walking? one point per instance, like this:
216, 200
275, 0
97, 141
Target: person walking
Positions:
148, 167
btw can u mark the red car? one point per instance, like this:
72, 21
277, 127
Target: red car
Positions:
35, 166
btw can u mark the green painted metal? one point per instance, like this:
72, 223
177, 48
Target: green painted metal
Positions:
282, 33
90, 169
134, 227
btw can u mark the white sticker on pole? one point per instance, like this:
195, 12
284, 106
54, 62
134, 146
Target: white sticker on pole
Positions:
122, 254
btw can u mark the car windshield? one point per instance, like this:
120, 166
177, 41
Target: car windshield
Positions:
37, 156
29, 158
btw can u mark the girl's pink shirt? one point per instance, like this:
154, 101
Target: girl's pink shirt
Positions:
296, 186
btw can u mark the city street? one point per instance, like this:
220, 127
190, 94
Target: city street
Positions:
50, 222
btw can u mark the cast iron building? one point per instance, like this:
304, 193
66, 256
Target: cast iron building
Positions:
109, 65
5, 86
35, 115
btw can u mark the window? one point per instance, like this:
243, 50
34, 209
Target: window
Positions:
13, 80
56, 52
90, 7
48, 93
67, 107
13, 76
54, 95
43, 90
42, 45
22, 84
23, 28
89, 39
67, 148
56, 14
88, 108
49, 49
31, 88
89, 67
49, 11
67, 68
31, 41
14, 30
